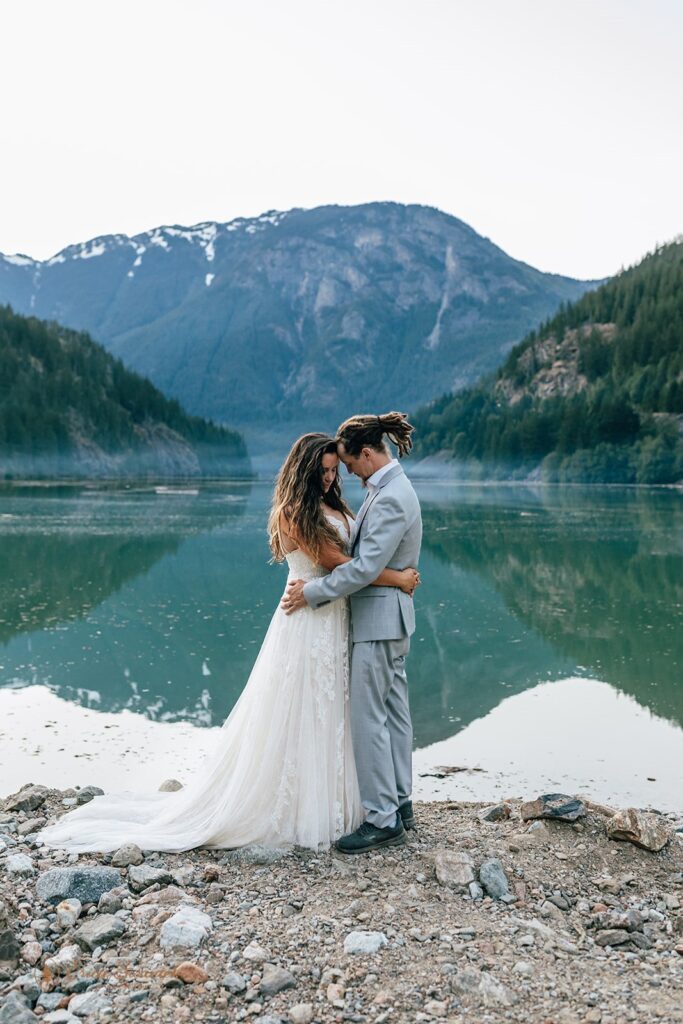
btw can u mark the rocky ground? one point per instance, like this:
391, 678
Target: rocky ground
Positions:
475, 920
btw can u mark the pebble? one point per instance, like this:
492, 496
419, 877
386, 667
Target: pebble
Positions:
65, 961
99, 931
126, 855
301, 1013
89, 1003
187, 928
276, 979
493, 879
141, 876
364, 942
453, 869
68, 912
19, 865
190, 974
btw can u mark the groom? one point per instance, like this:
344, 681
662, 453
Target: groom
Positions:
386, 533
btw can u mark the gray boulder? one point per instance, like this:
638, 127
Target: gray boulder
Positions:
27, 799
99, 930
276, 979
85, 884
14, 1010
142, 876
493, 879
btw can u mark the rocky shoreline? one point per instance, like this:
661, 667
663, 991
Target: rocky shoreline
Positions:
522, 912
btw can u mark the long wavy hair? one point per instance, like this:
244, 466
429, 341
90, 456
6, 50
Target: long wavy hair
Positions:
299, 494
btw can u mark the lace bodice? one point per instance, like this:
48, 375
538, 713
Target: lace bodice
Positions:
301, 567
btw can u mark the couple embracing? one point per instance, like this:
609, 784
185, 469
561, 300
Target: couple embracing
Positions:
317, 749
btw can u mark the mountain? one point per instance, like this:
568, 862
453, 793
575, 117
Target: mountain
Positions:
595, 394
68, 407
301, 316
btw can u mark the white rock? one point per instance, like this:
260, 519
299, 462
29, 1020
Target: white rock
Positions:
301, 1013
255, 953
86, 1003
66, 960
68, 912
20, 865
454, 869
365, 942
187, 928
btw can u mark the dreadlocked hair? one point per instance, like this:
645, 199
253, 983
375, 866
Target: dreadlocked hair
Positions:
368, 432
299, 494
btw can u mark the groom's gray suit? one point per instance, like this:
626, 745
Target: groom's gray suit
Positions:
387, 534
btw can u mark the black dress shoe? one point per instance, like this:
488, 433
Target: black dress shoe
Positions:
407, 815
369, 837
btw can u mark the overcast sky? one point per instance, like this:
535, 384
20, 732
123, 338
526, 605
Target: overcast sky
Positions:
552, 127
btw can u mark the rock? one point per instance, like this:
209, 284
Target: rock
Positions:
335, 994
485, 988
454, 869
99, 930
27, 799
65, 961
85, 884
170, 786
499, 812
60, 1017
68, 912
9, 946
89, 1003
50, 1000
190, 974
644, 829
435, 1008
14, 1010
32, 825
524, 968
364, 942
301, 1013
612, 937
476, 891
31, 953
142, 876
493, 879
85, 795
276, 979
255, 954
111, 901
28, 985
554, 805
19, 865
234, 982
186, 929
126, 855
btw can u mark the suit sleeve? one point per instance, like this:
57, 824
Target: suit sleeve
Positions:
383, 535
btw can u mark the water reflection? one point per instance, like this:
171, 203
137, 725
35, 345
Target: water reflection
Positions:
598, 575
158, 603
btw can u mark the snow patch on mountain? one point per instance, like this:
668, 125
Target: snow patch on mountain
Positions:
17, 260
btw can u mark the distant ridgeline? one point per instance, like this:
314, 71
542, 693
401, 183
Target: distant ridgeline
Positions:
67, 407
594, 395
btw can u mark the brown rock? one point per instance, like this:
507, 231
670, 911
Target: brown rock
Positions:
191, 974
649, 831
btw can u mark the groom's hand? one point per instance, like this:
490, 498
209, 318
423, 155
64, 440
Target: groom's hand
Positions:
293, 598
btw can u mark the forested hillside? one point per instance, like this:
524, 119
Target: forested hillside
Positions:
595, 394
67, 406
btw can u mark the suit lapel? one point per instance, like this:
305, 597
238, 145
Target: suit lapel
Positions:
369, 498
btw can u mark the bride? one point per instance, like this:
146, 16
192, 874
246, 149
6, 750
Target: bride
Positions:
283, 772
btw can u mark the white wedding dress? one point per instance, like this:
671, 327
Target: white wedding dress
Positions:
282, 773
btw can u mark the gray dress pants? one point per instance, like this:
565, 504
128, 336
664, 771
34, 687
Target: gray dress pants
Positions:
381, 727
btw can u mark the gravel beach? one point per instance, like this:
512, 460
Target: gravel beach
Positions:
487, 914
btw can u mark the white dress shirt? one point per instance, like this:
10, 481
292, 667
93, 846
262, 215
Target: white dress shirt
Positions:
372, 482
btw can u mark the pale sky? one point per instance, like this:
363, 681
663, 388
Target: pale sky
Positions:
553, 128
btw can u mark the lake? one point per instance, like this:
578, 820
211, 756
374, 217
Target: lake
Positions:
548, 654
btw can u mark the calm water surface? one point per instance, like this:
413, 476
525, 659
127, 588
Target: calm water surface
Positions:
548, 651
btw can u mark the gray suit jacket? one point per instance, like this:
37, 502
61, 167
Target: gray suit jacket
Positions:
387, 534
